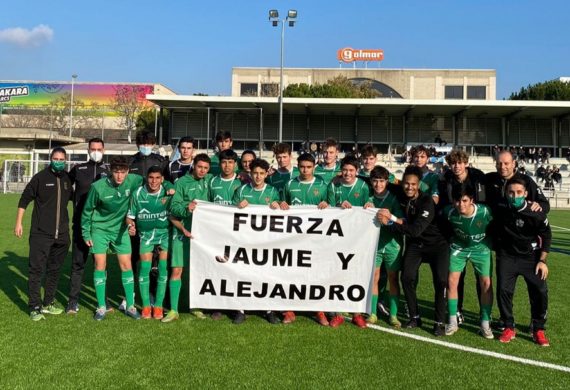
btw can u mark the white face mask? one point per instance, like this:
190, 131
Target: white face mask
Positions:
96, 156
145, 150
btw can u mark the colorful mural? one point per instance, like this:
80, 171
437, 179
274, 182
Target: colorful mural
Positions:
41, 94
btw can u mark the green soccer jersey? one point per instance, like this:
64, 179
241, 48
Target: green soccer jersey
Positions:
298, 192
388, 201
469, 232
327, 173
356, 194
279, 179
429, 182
222, 190
188, 189
264, 195
107, 205
150, 210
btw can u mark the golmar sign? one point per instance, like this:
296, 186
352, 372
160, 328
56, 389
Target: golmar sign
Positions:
349, 54
7, 93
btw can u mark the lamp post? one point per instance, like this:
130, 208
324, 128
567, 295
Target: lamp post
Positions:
73, 77
274, 18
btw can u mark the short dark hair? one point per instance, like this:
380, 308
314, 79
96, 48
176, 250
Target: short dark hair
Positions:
516, 180
419, 149
57, 149
259, 163
249, 151
155, 169
222, 135
145, 137
282, 148
330, 142
350, 160
202, 157
414, 171
186, 139
95, 140
368, 150
228, 154
119, 163
458, 191
306, 157
379, 172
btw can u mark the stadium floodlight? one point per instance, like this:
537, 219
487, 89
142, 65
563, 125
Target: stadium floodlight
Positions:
73, 77
274, 18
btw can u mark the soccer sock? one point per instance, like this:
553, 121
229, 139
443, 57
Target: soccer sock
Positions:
161, 282
100, 281
175, 286
374, 306
452, 307
144, 281
393, 300
486, 315
128, 280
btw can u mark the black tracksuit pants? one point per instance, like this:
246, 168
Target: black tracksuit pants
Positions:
437, 256
509, 268
79, 256
46, 257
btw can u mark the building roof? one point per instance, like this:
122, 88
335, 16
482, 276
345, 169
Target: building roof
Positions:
30, 134
380, 106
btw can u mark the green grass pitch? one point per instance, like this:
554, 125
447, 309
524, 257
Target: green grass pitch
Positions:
76, 351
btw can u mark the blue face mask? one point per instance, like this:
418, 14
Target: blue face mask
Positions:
517, 201
145, 150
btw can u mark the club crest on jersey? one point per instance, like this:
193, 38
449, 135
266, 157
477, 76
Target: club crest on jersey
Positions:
163, 200
357, 194
316, 192
479, 224
267, 199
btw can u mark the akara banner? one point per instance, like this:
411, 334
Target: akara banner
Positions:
302, 259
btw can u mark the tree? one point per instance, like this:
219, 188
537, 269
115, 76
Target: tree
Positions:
128, 103
340, 87
547, 90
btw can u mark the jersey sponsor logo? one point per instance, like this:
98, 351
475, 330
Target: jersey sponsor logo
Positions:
296, 201
81, 168
145, 214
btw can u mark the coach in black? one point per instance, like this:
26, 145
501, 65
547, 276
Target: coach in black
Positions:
50, 190
424, 241
523, 243
496, 186
82, 176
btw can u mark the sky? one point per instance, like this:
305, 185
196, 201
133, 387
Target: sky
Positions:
191, 46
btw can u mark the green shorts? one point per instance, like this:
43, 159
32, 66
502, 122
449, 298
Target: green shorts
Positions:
180, 251
150, 239
481, 259
119, 242
390, 255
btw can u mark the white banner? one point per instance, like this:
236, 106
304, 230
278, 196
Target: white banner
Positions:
301, 259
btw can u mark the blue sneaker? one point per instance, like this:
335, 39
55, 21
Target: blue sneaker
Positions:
133, 313
100, 314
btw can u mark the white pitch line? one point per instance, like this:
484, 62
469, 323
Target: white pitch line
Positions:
560, 227
473, 350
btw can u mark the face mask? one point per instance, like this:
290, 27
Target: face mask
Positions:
145, 150
57, 166
96, 156
517, 202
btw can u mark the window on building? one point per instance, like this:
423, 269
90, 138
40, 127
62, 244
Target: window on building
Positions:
248, 89
270, 89
476, 92
454, 91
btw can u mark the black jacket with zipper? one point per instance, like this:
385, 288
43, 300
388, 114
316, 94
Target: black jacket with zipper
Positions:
50, 193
